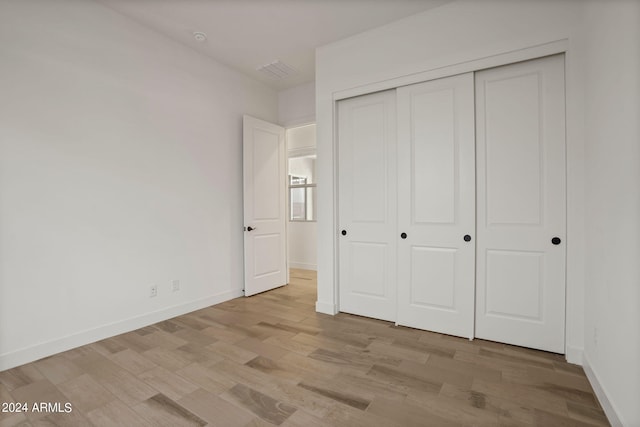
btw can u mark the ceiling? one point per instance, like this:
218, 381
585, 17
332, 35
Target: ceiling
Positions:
246, 34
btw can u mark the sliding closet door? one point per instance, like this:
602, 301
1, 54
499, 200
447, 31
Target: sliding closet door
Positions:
521, 204
367, 176
436, 205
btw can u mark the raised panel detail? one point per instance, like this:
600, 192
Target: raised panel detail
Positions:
514, 284
433, 277
434, 153
266, 254
369, 163
514, 166
368, 261
266, 179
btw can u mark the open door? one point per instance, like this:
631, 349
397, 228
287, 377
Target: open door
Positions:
264, 176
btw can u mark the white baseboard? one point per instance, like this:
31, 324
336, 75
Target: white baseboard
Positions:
326, 308
601, 394
574, 355
38, 351
303, 266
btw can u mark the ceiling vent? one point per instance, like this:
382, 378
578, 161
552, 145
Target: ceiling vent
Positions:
277, 70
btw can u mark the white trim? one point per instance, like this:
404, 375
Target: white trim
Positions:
299, 122
38, 351
601, 394
301, 152
326, 308
303, 265
510, 57
287, 255
574, 355
336, 207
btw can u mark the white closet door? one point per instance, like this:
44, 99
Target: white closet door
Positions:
520, 130
436, 205
367, 205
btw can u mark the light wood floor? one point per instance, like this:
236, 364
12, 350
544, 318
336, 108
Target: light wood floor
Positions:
271, 360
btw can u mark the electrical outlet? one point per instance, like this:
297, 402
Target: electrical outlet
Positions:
153, 291
175, 285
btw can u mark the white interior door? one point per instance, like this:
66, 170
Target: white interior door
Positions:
521, 204
367, 205
264, 161
436, 205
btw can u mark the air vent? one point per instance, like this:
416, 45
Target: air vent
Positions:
277, 70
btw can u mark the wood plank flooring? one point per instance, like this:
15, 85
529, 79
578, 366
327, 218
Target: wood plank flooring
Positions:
272, 360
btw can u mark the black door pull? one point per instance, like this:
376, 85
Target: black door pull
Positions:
250, 228
403, 235
467, 238
343, 232
556, 241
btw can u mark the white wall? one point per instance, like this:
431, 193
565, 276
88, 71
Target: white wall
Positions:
301, 140
303, 251
612, 339
303, 166
297, 106
302, 239
120, 167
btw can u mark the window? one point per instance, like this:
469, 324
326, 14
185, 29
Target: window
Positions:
302, 189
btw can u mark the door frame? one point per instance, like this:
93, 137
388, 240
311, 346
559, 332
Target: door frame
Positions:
506, 58
306, 121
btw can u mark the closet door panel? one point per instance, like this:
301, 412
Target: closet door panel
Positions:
521, 298
368, 156
435, 266
513, 150
367, 173
436, 205
521, 204
433, 157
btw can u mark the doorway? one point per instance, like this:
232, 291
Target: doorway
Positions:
301, 191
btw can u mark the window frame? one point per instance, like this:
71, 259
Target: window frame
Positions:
305, 186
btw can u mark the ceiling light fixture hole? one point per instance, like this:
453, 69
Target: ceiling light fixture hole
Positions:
200, 36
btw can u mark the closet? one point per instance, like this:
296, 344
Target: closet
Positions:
451, 204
